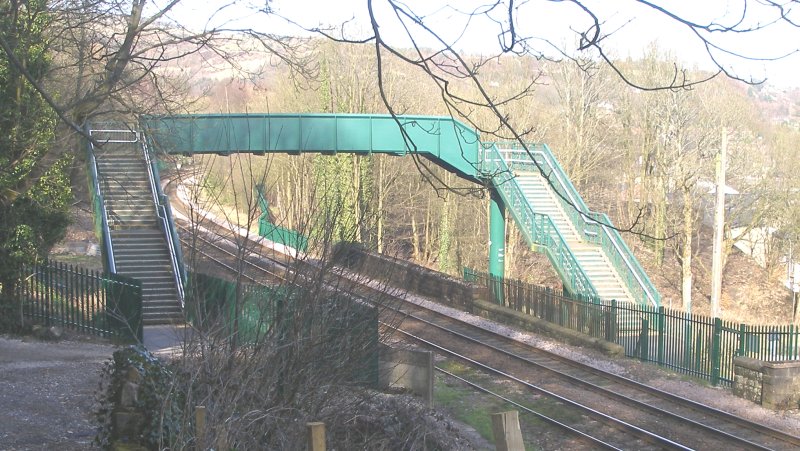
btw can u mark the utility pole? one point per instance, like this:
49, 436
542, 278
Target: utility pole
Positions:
719, 227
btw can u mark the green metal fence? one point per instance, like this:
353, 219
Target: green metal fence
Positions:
276, 233
213, 300
346, 326
107, 305
697, 345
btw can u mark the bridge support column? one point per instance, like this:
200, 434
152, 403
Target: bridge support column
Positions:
497, 243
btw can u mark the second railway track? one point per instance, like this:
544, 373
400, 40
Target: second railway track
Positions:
641, 417
679, 420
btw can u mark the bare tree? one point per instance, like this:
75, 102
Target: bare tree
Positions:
463, 91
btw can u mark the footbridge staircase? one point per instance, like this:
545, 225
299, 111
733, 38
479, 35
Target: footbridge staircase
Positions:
133, 218
589, 255
583, 246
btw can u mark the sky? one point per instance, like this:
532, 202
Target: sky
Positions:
635, 27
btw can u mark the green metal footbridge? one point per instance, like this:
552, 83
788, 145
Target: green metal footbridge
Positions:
590, 257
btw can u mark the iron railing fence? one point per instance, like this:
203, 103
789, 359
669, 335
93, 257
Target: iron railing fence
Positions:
102, 304
692, 344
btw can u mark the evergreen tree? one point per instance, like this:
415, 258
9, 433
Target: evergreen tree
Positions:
34, 187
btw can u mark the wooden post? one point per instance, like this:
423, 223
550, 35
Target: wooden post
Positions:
316, 436
200, 426
507, 434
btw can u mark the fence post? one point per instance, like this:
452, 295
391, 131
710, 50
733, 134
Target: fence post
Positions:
715, 351
644, 341
661, 327
200, 426
507, 434
316, 436
48, 292
742, 340
614, 321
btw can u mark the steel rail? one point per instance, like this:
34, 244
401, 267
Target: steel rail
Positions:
608, 419
163, 216
580, 434
216, 246
775, 434
758, 428
219, 262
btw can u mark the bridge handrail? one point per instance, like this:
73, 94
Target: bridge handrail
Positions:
538, 227
617, 250
99, 205
167, 223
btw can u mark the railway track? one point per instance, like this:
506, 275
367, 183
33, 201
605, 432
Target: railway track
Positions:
217, 250
678, 420
613, 412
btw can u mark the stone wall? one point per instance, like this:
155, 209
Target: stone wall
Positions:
458, 294
774, 385
531, 323
411, 277
127, 419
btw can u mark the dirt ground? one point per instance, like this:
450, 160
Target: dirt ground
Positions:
47, 392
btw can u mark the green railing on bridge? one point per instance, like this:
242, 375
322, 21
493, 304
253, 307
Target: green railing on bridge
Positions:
537, 228
443, 139
594, 227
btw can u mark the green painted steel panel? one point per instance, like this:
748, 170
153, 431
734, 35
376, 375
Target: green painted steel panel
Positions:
497, 235
443, 139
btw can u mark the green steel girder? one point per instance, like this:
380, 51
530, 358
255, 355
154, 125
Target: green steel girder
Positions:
444, 140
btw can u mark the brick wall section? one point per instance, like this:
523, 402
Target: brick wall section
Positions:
774, 385
411, 277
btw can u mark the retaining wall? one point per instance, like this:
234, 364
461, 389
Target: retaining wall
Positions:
774, 385
411, 277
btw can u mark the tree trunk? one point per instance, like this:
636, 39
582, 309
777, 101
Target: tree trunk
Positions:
686, 260
415, 237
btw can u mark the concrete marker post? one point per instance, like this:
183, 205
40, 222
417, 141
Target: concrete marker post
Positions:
200, 426
507, 434
316, 436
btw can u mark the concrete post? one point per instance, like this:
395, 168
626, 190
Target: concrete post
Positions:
200, 426
507, 434
316, 436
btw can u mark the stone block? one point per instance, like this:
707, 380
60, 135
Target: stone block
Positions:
133, 375
129, 394
127, 425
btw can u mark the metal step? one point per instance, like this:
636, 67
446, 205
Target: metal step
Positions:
140, 249
590, 257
